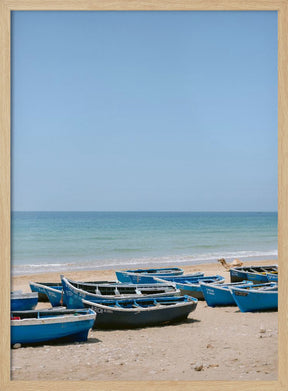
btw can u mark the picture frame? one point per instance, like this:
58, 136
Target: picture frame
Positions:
7, 6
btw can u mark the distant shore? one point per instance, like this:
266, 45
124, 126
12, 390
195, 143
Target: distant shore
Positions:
214, 339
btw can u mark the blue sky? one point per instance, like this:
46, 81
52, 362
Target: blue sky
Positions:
144, 111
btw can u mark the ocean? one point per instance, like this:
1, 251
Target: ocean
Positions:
59, 241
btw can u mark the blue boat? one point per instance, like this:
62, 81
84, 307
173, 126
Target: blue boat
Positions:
190, 285
143, 276
75, 291
219, 294
23, 301
257, 297
54, 293
121, 314
39, 288
42, 288
28, 327
257, 274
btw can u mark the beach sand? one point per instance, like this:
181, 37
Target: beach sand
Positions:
212, 344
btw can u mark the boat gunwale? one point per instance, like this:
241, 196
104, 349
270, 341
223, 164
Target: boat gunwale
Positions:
25, 295
120, 284
38, 284
79, 292
224, 286
191, 301
195, 284
68, 318
247, 290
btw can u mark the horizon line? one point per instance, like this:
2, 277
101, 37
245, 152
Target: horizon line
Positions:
149, 211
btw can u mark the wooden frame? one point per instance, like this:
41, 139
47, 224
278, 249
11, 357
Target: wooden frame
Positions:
234, 5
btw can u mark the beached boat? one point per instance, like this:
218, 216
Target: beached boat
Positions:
48, 325
190, 285
219, 294
257, 297
41, 288
53, 293
23, 301
143, 276
257, 274
75, 291
124, 313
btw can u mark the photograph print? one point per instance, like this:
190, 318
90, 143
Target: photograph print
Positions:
144, 195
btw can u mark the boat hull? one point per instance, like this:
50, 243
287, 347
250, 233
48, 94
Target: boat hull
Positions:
52, 328
40, 288
53, 293
23, 302
114, 318
219, 294
145, 276
272, 277
257, 274
73, 296
190, 285
255, 300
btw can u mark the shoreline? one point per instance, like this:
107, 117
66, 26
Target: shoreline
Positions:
22, 281
214, 339
156, 262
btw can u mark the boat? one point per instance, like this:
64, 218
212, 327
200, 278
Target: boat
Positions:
135, 313
54, 293
190, 285
256, 297
219, 294
41, 288
23, 301
75, 291
257, 274
143, 276
28, 327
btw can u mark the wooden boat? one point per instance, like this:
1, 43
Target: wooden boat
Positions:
53, 293
257, 274
75, 291
129, 313
23, 301
190, 285
45, 325
143, 276
42, 288
257, 297
219, 294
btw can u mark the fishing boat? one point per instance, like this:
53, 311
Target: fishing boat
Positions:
75, 291
257, 297
133, 313
45, 325
219, 294
23, 301
257, 274
42, 288
54, 293
143, 276
190, 285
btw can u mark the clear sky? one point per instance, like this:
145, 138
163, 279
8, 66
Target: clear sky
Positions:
144, 111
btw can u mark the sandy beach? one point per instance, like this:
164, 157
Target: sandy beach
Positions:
212, 344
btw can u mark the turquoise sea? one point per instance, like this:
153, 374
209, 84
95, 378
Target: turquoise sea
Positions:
59, 241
